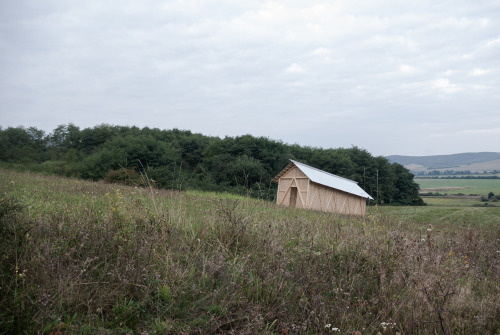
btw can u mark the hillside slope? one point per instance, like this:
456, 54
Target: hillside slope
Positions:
82, 257
473, 161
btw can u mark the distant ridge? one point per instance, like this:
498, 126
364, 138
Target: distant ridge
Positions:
474, 161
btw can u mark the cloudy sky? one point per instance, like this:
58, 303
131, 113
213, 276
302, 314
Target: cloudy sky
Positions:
413, 77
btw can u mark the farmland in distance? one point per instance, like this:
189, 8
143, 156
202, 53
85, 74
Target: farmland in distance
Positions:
458, 192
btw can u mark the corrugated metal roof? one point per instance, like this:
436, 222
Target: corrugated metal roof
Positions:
328, 179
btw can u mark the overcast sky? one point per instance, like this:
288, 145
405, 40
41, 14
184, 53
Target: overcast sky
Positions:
393, 77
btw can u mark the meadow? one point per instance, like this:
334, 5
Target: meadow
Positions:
480, 187
466, 187
82, 257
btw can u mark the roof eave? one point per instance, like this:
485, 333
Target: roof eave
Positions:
284, 171
292, 164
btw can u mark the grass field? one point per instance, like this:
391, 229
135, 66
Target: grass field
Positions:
444, 218
479, 187
452, 201
83, 257
466, 186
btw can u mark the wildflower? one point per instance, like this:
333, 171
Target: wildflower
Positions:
389, 325
328, 325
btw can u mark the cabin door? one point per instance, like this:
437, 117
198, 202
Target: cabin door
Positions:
293, 197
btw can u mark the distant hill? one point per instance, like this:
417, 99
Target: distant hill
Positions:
472, 161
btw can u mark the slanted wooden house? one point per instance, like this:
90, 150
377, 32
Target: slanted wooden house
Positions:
302, 186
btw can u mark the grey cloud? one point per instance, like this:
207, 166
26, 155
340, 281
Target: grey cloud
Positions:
333, 74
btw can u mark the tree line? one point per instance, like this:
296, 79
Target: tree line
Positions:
180, 159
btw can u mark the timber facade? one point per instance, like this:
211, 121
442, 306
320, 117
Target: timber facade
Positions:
302, 186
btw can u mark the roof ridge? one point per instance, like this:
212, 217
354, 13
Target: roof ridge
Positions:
326, 172
325, 178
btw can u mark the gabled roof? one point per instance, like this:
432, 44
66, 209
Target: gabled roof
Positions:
326, 179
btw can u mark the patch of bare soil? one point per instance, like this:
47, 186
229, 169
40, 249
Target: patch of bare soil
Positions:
454, 196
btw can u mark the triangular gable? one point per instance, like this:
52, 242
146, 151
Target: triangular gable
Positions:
326, 179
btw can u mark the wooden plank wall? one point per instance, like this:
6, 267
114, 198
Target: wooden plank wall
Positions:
293, 178
317, 197
330, 200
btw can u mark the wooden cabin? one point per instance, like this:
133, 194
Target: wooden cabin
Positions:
302, 186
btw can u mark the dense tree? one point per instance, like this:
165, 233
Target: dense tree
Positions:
179, 159
406, 188
127, 152
334, 161
93, 138
23, 145
192, 148
62, 139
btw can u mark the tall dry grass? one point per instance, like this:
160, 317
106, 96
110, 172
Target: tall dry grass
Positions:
85, 258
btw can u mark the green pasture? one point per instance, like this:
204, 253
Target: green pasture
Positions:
81, 257
477, 187
445, 218
466, 186
453, 202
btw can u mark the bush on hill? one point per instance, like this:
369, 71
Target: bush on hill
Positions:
179, 159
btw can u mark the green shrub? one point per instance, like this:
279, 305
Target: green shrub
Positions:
9, 206
126, 177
